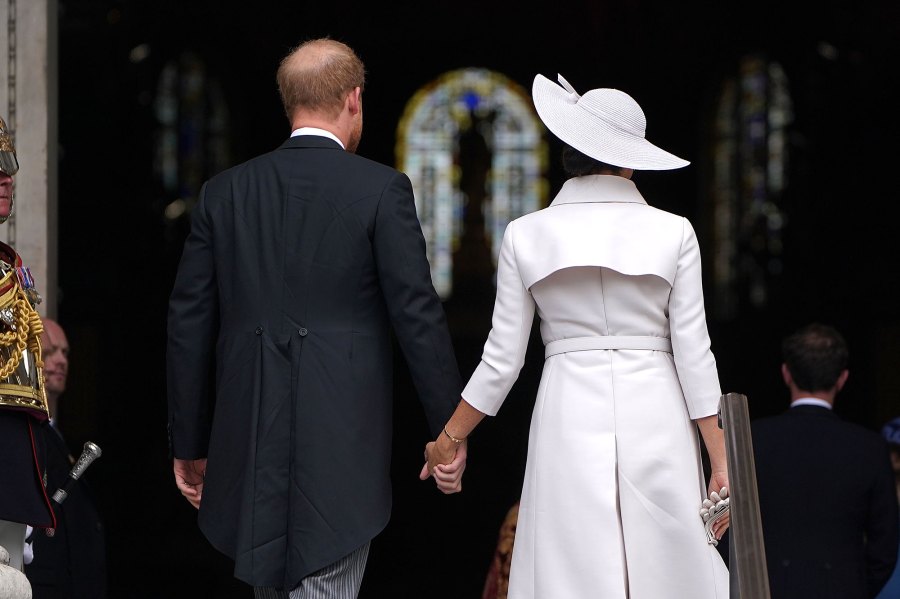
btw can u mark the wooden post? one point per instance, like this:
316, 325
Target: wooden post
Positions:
749, 577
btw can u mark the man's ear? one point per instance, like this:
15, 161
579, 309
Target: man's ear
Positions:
842, 380
354, 101
786, 375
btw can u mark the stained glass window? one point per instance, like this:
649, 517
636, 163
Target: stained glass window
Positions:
474, 150
191, 138
749, 176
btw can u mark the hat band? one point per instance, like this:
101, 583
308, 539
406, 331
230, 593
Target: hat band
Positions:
605, 117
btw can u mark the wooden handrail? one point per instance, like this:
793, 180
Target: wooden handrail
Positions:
747, 553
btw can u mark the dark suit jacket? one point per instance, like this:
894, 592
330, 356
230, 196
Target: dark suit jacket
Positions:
298, 265
72, 563
828, 505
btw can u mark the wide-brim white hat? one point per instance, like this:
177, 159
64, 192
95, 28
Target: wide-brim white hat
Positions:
605, 124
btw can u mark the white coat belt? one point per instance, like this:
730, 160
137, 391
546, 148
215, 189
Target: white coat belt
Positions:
562, 346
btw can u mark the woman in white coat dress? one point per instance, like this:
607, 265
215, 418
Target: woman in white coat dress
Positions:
614, 480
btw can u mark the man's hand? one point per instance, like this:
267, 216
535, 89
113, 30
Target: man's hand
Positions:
446, 465
189, 476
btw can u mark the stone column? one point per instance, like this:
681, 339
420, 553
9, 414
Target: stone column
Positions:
28, 103
13, 583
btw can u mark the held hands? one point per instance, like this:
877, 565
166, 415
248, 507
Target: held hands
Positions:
445, 457
189, 477
446, 462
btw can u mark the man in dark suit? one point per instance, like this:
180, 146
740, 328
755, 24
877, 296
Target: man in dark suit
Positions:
826, 488
72, 563
298, 266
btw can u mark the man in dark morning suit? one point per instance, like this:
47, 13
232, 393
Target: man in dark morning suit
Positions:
298, 266
826, 487
72, 563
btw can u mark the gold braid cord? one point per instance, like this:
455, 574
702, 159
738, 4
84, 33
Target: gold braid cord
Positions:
25, 334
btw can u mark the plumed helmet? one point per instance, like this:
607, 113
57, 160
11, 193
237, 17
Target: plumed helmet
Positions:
8, 162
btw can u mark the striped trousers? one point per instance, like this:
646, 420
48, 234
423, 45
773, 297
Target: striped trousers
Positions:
340, 580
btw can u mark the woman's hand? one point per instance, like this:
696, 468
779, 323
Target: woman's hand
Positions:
714, 440
718, 480
438, 452
446, 462
445, 457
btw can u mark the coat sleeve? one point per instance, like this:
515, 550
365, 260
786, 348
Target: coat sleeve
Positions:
192, 329
882, 530
415, 309
694, 360
504, 351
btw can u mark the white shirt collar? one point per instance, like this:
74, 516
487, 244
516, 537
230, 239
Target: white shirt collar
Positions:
811, 401
316, 131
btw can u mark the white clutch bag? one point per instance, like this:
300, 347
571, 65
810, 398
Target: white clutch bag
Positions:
712, 510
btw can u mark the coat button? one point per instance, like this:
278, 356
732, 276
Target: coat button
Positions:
303, 332
259, 330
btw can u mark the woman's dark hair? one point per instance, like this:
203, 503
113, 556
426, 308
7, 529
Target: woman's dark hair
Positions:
577, 164
815, 356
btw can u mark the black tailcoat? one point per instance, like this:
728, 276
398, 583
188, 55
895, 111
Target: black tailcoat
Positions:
298, 265
828, 505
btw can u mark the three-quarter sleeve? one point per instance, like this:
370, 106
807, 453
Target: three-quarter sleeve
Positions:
694, 359
504, 351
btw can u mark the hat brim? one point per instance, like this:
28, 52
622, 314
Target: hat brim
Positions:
594, 137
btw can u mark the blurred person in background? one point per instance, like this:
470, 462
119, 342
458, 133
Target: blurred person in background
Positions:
891, 434
827, 493
71, 564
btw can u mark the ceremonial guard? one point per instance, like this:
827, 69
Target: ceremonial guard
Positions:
23, 402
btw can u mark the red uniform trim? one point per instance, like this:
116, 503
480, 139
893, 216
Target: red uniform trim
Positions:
40, 476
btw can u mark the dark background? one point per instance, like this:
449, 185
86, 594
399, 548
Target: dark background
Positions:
118, 254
